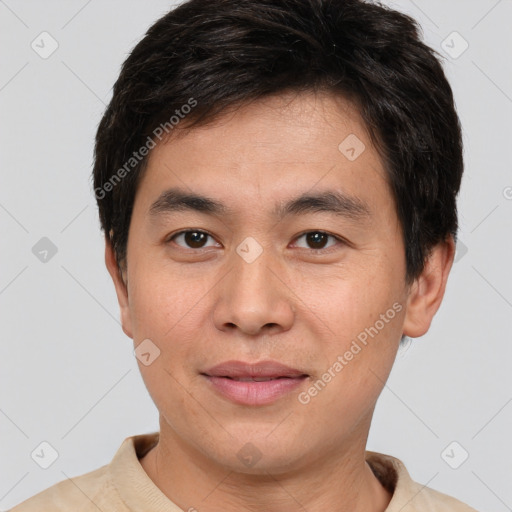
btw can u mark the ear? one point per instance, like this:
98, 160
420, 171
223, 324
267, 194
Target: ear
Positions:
427, 291
120, 286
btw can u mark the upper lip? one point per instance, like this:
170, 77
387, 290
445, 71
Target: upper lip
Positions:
240, 369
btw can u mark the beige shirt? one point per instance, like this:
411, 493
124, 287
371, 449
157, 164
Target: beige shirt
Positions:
124, 486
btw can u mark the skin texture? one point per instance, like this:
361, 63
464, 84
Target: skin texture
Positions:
202, 306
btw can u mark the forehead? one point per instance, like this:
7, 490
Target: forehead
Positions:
289, 126
271, 149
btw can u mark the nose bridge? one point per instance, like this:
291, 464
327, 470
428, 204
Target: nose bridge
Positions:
252, 270
252, 296
251, 283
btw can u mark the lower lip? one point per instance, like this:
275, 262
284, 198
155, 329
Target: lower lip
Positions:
252, 392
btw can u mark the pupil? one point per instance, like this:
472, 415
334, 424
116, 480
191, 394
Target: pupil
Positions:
194, 239
315, 239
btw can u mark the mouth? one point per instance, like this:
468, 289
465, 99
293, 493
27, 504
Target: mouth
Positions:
255, 379
262, 370
253, 384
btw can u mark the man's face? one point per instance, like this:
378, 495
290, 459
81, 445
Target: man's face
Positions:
262, 282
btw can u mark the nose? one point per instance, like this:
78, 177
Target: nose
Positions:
254, 298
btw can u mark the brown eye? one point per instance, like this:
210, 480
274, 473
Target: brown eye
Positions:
318, 240
191, 239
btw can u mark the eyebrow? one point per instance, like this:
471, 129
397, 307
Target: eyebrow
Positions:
328, 201
175, 199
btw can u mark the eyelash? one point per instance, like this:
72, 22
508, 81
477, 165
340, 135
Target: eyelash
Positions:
330, 235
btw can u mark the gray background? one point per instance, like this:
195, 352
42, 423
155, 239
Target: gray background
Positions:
68, 374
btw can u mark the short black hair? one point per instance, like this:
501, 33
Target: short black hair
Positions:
204, 58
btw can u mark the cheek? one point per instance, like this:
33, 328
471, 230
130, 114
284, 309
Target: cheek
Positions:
172, 312
161, 302
355, 302
365, 317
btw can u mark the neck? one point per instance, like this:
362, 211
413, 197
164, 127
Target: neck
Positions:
343, 482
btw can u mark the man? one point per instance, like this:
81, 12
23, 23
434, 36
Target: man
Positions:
277, 183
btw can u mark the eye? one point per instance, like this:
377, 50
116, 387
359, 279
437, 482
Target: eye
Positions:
191, 239
317, 240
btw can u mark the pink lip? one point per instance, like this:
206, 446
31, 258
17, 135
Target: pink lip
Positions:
223, 379
237, 369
